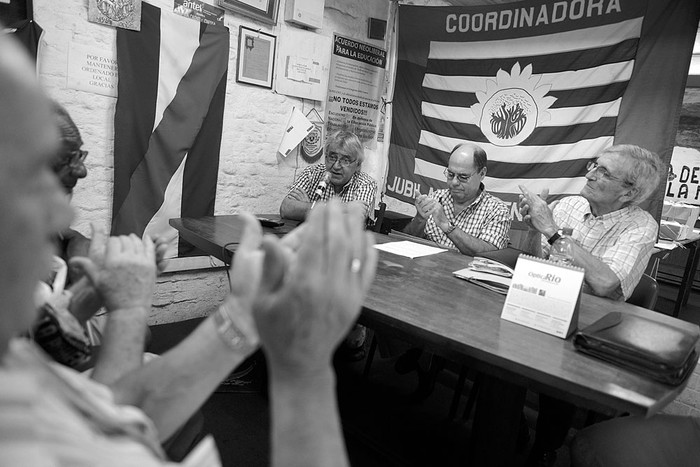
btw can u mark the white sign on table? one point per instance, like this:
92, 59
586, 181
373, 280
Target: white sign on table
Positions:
544, 295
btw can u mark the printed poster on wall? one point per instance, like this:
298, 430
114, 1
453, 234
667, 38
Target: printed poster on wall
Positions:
199, 11
685, 184
124, 14
355, 88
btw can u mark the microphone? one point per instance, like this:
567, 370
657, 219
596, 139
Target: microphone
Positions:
322, 185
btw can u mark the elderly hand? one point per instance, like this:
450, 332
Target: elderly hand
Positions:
425, 206
122, 269
245, 279
313, 287
439, 216
536, 212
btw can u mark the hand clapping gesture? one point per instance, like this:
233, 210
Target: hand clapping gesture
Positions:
535, 211
122, 269
314, 283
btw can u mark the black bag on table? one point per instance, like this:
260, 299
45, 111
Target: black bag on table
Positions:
659, 350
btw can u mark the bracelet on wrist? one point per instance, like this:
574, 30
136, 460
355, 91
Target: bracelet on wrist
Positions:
232, 335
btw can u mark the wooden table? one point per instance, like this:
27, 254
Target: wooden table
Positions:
420, 300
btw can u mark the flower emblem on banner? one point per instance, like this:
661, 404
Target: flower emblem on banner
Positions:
512, 106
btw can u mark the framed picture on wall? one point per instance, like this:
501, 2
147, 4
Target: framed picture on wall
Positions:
256, 57
262, 10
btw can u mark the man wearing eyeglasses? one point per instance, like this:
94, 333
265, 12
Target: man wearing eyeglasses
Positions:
463, 216
338, 177
613, 236
613, 241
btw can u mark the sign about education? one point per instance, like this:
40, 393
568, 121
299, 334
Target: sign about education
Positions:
92, 70
124, 14
199, 11
685, 186
354, 88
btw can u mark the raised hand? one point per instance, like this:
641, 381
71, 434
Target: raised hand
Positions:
122, 269
313, 287
425, 206
535, 211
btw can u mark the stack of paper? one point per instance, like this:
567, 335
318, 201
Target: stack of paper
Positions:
487, 273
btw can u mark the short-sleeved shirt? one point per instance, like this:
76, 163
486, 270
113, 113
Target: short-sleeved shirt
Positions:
360, 187
622, 239
52, 415
487, 218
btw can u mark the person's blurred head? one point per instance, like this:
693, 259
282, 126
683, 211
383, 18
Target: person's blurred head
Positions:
344, 155
69, 163
32, 207
620, 176
465, 171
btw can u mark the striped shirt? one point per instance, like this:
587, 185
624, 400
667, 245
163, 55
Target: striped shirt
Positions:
50, 415
623, 239
487, 219
361, 187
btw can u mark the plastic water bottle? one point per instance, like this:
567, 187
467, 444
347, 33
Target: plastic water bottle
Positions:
563, 249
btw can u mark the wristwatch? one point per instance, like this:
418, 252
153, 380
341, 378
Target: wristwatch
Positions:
450, 228
553, 238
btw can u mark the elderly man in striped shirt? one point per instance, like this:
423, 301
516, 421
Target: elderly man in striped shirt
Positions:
463, 216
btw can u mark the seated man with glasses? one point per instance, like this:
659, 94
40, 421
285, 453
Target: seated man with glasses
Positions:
463, 216
338, 177
613, 241
613, 236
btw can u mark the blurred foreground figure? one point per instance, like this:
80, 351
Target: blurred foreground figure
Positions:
52, 415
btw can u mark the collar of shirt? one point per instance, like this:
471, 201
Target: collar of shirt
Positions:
608, 220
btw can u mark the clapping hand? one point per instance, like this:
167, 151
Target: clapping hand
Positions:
122, 269
313, 286
535, 211
426, 206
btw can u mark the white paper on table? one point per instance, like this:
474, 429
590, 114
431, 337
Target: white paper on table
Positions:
297, 129
409, 249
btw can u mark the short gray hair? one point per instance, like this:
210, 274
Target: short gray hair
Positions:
644, 172
347, 142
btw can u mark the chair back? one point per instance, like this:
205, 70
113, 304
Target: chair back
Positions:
379, 217
646, 293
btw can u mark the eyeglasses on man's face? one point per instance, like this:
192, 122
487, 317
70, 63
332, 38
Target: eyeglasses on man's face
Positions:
603, 173
73, 159
342, 159
462, 178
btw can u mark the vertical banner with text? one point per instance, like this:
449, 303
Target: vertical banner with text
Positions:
354, 88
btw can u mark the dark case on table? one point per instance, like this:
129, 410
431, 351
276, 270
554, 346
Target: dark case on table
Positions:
661, 351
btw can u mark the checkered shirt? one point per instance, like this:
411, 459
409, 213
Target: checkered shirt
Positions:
623, 239
487, 218
361, 187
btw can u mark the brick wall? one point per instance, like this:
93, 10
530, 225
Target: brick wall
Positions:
252, 175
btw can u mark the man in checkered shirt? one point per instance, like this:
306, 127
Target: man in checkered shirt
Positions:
338, 177
613, 241
613, 236
463, 217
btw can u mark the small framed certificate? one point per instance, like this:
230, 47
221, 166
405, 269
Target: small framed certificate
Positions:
256, 57
262, 10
